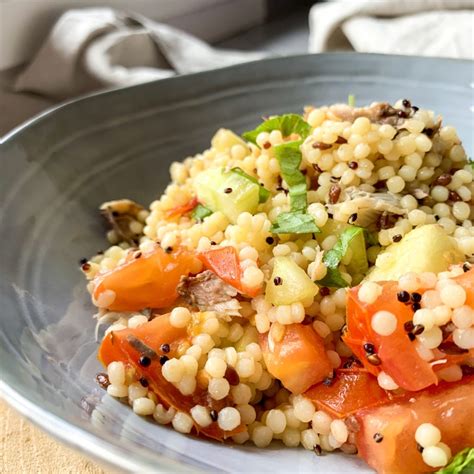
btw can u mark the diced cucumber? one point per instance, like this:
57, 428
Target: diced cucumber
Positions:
424, 249
289, 283
224, 140
358, 264
227, 192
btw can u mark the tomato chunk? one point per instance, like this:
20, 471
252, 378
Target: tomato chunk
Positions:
149, 281
128, 345
450, 407
350, 391
299, 360
225, 263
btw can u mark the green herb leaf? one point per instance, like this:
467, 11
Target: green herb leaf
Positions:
462, 463
351, 100
287, 124
371, 237
263, 194
333, 258
200, 212
294, 223
289, 157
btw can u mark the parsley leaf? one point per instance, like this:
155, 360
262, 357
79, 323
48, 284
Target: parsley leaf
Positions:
263, 194
333, 258
200, 212
294, 223
463, 462
351, 100
287, 124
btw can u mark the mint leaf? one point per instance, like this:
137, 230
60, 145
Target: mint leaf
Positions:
263, 194
294, 223
462, 463
351, 100
200, 212
333, 257
287, 124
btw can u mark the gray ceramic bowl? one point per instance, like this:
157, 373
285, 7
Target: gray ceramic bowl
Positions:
58, 168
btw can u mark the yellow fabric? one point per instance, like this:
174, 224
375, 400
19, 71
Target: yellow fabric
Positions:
25, 449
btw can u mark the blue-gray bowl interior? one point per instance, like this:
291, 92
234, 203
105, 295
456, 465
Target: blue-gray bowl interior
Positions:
56, 171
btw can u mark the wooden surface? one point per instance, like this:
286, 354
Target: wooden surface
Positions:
25, 449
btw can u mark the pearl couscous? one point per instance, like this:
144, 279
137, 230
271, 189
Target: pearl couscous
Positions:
309, 282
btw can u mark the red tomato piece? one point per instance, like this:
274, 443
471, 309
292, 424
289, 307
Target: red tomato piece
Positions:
128, 345
149, 281
299, 360
183, 209
450, 407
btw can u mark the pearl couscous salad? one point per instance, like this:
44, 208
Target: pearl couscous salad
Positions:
308, 282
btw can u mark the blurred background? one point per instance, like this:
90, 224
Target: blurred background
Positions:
54, 50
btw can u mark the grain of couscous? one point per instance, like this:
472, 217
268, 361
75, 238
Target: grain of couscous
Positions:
309, 282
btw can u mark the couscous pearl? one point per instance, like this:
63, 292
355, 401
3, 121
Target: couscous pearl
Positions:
241, 438
440, 193
245, 367
427, 435
395, 184
424, 317
463, 317
182, 422
386, 382
369, 292
247, 413
215, 367
339, 431
116, 373
321, 422
201, 415
453, 296
309, 439
218, 388
241, 393
321, 328
262, 436
442, 315
173, 370
136, 390
446, 449
228, 418
304, 408
384, 323
431, 338
137, 321
291, 437
143, 406
464, 338
118, 391
450, 374
409, 282
205, 341
180, 317
434, 456
162, 415
276, 421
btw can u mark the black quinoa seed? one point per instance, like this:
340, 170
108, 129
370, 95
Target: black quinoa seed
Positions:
267, 145
352, 218
416, 297
82, 261
397, 238
317, 450
403, 296
374, 359
415, 108
115, 213
164, 359
369, 348
143, 382
138, 255
428, 132
411, 336
406, 103
416, 306
231, 376
277, 281
353, 165
168, 249
340, 141
307, 320
269, 240
408, 326
103, 380
228, 190
466, 267
144, 361
402, 114
86, 267
418, 329
419, 447
454, 196
324, 291
165, 348
328, 381
378, 438
213, 243
213, 415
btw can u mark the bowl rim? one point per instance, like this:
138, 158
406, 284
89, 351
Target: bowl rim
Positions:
74, 436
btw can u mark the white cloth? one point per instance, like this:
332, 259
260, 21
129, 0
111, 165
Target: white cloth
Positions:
93, 48
443, 28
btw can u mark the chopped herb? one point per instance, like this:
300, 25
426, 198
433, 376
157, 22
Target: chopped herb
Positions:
287, 124
294, 223
263, 193
200, 212
463, 462
333, 258
351, 100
